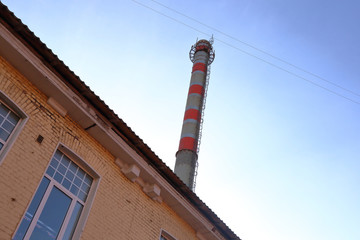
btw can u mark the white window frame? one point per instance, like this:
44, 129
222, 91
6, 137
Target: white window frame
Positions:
19, 126
53, 183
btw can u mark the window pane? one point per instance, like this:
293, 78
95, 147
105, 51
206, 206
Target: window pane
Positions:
1, 145
82, 196
50, 171
85, 187
73, 221
66, 161
80, 173
8, 121
77, 181
52, 216
13, 118
58, 155
54, 163
3, 110
58, 177
8, 126
70, 175
88, 179
74, 190
32, 209
66, 183
62, 169
3, 134
73, 167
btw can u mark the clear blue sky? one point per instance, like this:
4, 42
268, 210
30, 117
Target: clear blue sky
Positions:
279, 158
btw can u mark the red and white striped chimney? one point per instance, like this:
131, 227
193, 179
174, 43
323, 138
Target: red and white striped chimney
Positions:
202, 55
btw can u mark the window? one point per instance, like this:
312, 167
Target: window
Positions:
58, 203
8, 122
12, 119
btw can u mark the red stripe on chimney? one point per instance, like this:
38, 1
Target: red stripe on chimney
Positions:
196, 89
192, 114
187, 143
199, 67
202, 48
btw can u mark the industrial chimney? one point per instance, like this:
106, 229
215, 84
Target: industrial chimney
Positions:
202, 55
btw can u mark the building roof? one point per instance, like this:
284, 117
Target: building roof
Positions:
37, 47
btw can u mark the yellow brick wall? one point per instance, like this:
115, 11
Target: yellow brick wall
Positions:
120, 209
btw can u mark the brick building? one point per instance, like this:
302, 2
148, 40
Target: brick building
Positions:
70, 168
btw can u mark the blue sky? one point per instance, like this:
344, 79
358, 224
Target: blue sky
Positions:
279, 157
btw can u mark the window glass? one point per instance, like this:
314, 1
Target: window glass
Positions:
73, 221
3, 110
13, 119
32, 209
8, 122
70, 175
52, 216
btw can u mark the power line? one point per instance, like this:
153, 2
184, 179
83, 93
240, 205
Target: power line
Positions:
289, 72
256, 48
259, 58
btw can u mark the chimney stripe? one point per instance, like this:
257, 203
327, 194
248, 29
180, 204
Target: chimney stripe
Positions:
199, 67
192, 114
196, 89
197, 82
190, 121
202, 48
188, 143
188, 135
192, 107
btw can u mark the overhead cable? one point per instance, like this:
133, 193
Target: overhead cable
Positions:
256, 48
254, 56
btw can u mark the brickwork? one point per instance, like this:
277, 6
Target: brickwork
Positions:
120, 209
